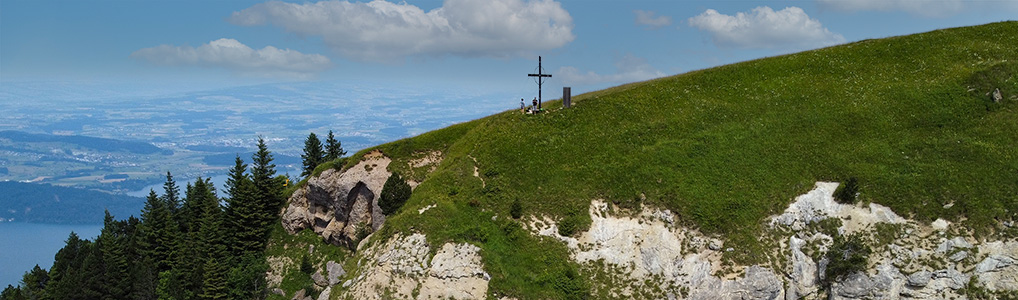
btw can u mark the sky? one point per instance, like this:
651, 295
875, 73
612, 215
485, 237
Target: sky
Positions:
478, 43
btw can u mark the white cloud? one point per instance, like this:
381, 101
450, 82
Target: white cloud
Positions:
381, 30
646, 17
789, 28
233, 55
630, 69
928, 8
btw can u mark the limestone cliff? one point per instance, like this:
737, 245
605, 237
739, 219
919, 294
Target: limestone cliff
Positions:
337, 205
649, 251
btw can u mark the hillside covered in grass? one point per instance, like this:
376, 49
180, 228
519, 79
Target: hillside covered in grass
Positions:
910, 117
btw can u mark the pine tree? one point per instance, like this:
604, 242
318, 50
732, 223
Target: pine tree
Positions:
236, 177
333, 148
267, 190
64, 275
155, 240
214, 285
171, 193
313, 155
112, 241
33, 283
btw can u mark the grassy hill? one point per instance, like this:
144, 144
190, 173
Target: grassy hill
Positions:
909, 116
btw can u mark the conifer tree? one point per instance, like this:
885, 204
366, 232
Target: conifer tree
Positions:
33, 283
171, 193
313, 155
214, 285
266, 188
64, 275
155, 239
115, 260
333, 148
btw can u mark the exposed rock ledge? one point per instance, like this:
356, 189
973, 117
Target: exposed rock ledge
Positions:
335, 204
649, 249
402, 269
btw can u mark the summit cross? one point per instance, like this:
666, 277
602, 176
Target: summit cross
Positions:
540, 80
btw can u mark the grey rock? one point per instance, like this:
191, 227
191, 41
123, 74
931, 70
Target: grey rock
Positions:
920, 279
714, 245
278, 291
335, 272
325, 294
758, 283
997, 96
319, 279
803, 276
334, 204
960, 255
994, 263
855, 286
300, 295
348, 283
954, 279
729, 249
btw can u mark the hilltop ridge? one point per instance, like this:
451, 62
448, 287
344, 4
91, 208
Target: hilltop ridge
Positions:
711, 155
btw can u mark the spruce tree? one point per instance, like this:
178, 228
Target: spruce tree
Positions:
313, 155
214, 284
333, 148
112, 242
155, 239
267, 190
171, 193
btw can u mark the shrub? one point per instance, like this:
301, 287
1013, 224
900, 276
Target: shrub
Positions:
848, 255
516, 209
846, 193
305, 265
395, 192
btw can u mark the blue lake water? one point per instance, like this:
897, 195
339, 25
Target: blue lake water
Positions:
24, 245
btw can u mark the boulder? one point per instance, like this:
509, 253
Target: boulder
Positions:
319, 279
997, 96
335, 272
855, 286
334, 204
920, 279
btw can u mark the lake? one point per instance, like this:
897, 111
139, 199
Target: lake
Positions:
23, 245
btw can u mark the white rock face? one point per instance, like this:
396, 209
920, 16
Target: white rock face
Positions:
819, 204
999, 270
646, 246
803, 275
402, 265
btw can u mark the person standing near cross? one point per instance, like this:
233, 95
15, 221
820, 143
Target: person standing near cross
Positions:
540, 80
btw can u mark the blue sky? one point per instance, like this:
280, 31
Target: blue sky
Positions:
486, 43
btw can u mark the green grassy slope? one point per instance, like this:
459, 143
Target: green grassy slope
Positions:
726, 147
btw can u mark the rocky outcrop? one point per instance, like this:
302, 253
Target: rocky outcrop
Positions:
336, 205
402, 268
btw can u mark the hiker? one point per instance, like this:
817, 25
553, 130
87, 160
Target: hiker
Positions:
523, 107
535, 105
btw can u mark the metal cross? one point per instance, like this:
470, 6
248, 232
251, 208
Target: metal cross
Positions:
540, 80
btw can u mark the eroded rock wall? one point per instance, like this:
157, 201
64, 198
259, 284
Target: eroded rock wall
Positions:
338, 204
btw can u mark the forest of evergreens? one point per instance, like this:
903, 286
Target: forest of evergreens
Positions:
195, 245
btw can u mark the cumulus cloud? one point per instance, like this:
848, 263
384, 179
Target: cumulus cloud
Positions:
630, 68
233, 55
646, 17
381, 30
789, 28
928, 8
